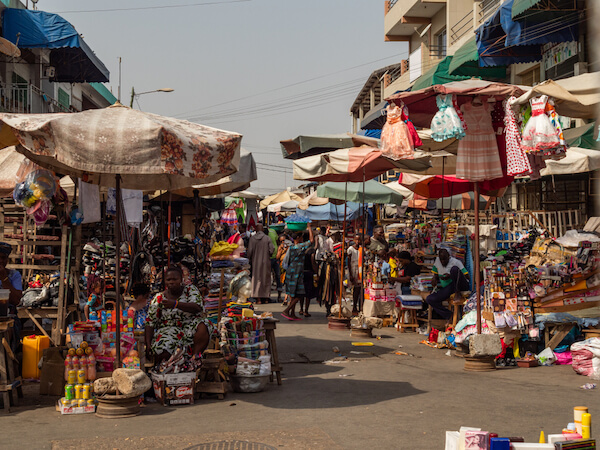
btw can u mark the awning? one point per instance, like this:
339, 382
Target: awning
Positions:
375, 118
438, 74
577, 160
302, 146
502, 41
542, 9
74, 60
466, 62
582, 137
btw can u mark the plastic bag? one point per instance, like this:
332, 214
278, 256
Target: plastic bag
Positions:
546, 357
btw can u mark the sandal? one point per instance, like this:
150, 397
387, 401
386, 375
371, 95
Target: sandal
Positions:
287, 317
284, 304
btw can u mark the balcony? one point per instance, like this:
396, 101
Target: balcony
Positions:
23, 98
402, 17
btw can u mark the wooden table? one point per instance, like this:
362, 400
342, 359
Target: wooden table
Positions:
10, 384
270, 327
429, 321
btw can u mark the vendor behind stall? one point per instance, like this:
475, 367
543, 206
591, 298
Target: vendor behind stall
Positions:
404, 272
176, 319
378, 241
10, 280
449, 276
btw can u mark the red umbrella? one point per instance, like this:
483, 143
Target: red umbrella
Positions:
438, 186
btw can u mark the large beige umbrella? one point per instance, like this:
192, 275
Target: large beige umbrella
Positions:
121, 147
280, 197
312, 200
10, 161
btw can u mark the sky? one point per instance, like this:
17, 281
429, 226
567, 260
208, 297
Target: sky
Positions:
268, 69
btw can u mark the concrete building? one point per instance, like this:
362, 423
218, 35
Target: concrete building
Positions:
45, 77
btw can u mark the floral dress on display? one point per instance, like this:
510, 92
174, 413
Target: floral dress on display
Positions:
446, 124
174, 328
396, 142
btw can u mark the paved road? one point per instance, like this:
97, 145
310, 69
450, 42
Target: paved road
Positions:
375, 398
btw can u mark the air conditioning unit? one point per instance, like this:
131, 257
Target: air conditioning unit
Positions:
49, 71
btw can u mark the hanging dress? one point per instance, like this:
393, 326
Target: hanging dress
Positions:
478, 158
396, 142
516, 161
539, 135
412, 131
560, 151
446, 123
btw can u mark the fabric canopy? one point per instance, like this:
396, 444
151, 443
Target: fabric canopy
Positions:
577, 160
376, 117
237, 181
435, 186
354, 164
577, 97
465, 61
502, 41
422, 105
10, 161
542, 10
148, 151
374, 192
280, 197
302, 146
73, 59
438, 74
287, 206
582, 136
331, 212
312, 200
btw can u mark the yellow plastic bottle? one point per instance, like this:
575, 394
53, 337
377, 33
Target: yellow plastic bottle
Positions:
586, 426
33, 350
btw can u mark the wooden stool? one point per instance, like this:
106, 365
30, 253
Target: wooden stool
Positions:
270, 326
211, 376
456, 301
407, 319
10, 384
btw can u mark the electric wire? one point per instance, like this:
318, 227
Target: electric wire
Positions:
141, 8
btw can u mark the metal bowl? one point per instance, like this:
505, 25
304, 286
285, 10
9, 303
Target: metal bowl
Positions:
249, 383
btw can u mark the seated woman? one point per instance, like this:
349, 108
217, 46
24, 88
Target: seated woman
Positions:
404, 272
176, 319
139, 306
11, 280
449, 276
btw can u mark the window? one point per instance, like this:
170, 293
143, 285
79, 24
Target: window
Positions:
530, 77
63, 99
439, 47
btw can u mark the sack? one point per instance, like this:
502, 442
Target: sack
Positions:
35, 297
546, 357
286, 260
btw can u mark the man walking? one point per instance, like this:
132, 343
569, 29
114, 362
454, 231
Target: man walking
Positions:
260, 249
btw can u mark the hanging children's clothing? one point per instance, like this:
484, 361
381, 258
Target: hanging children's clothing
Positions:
539, 135
412, 131
446, 123
478, 157
516, 160
396, 142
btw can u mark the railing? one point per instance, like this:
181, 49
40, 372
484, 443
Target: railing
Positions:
485, 8
392, 3
437, 51
397, 72
462, 27
23, 98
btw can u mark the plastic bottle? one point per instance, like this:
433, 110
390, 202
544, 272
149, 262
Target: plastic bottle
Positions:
75, 363
68, 366
586, 426
91, 368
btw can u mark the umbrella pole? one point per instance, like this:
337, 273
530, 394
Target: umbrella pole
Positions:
343, 250
362, 258
196, 225
169, 231
162, 241
476, 259
118, 269
443, 169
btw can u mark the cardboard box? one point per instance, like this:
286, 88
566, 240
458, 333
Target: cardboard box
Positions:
52, 379
75, 409
174, 388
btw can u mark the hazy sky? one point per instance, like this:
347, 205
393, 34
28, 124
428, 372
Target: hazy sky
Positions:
269, 69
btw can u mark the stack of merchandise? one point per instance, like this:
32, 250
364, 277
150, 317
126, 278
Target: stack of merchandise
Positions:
174, 380
422, 283
80, 373
235, 309
99, 260
42, 291
458, 248
245, 340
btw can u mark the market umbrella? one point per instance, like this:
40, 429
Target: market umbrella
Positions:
331, 212
280, 197
312, 200
121, 147
576, 160
10, 161
438, 186
302, 146
354, 164
372, 192
465, 202
288, 206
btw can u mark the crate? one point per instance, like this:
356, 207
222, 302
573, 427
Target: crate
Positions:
174, 388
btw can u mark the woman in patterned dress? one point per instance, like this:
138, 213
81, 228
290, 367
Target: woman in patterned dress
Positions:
294, 276
176, 319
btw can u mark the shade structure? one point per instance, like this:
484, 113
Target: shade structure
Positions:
331, 212
302, 146
376, 117
541, 9
436, 186
465, 61
503, 41
148, 151
406, 193
312, 200
422, 104
237, 181
438, 74
10, 161
369, 192
354, 164
465, 202
577, 160
577, 96
280, 197
73, 60
287, 206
